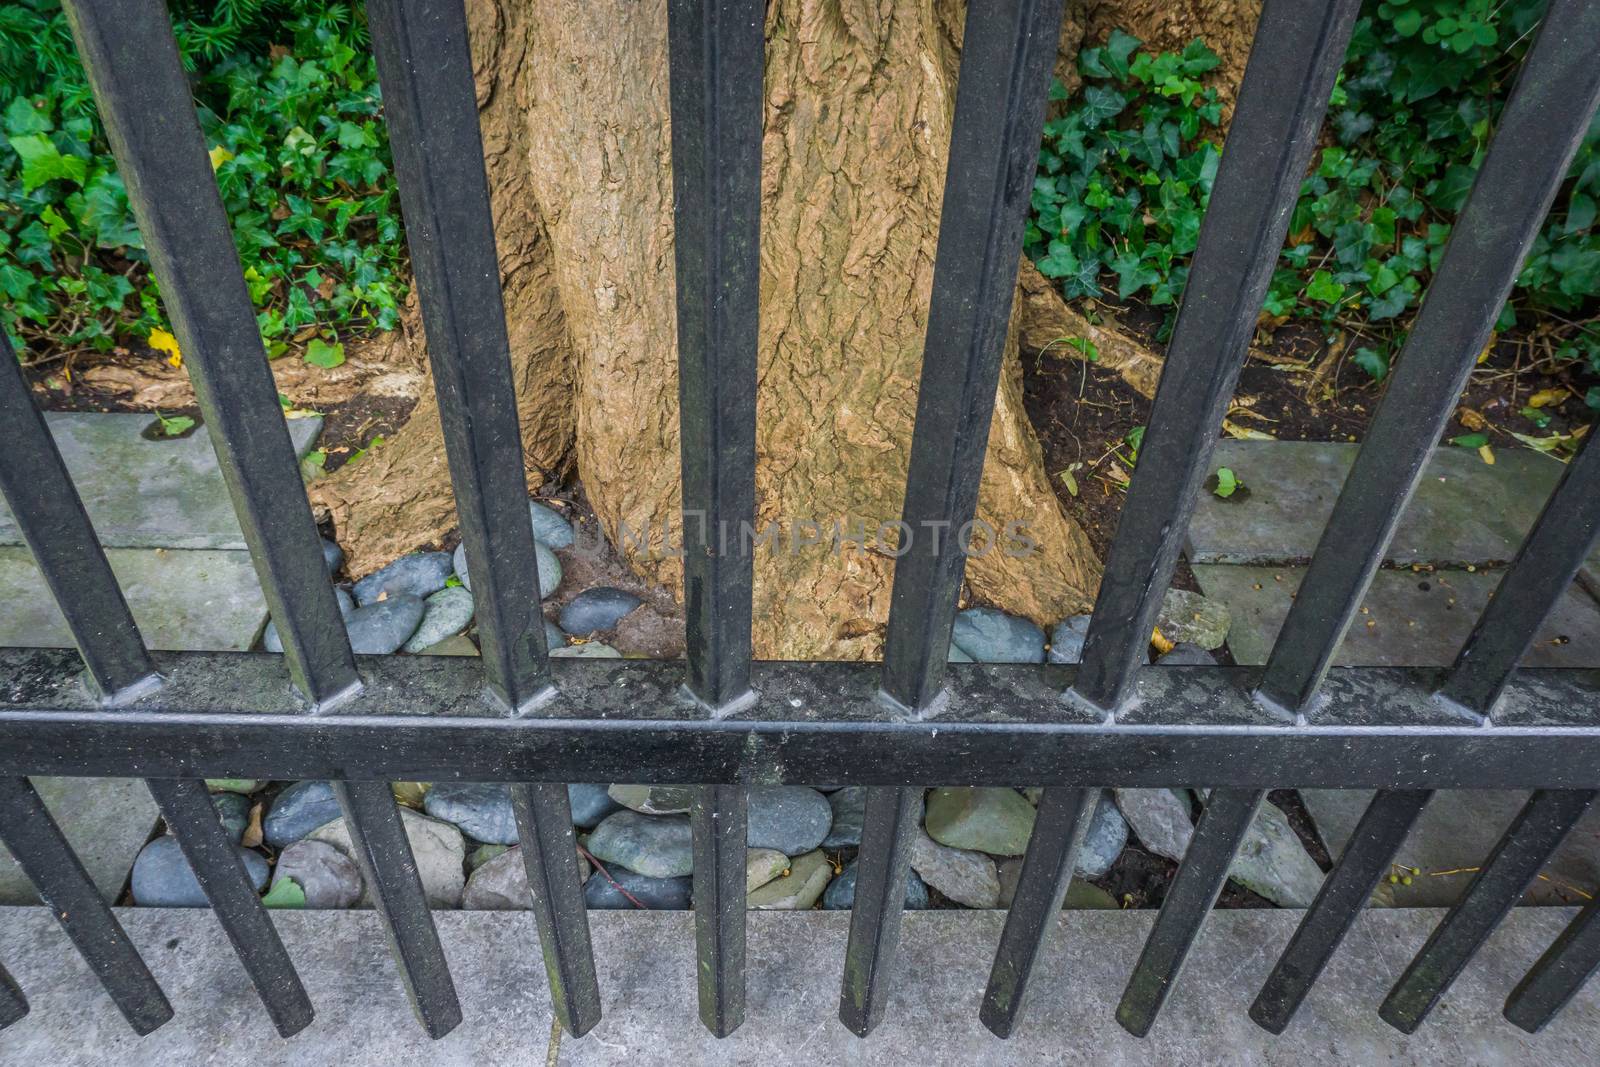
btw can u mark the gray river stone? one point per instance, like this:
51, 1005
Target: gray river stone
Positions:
554, 636
841, 893
328, 877
792, 819
762, 865
965, 877
444, 613
162, 877
657, 894
849, 813
799, 889
590, 803
381, 628
655, 845
600, 608
654, 799
332, 555
481, 810
1103, 841
298, 810
421, 574
549, 568
1066, 639
1193, 618
548, 527
997, 820
233, 809
991, 636
1160, 819
1187, 655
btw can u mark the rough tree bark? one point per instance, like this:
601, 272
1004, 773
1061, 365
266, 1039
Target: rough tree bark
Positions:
859, 101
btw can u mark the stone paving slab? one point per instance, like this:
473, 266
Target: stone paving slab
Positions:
166, 493
1412, 625
1455, 833
107, 820
647, 982
181, 599
1464, 511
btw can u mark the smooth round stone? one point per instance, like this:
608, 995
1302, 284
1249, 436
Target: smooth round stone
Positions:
587, 650
849, 814
956, 656
549, 568
328, 877
554, 636
501, 884
654, 799
1066, 639
1187, 655
548, 527
481, 810
659, 846
762, 865
996, 820
233, 809
483, 854
234, 785
965, 877
445, 613
162, 877
799, 889
657, 894
991, 636
1193, 618
1104, 841
841, 892
600, 608
272, 642
332, 555
789, 818
346, 602
299, 809
381, 628
590, 803
420, 574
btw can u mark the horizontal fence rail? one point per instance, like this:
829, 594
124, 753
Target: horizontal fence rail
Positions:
721, 721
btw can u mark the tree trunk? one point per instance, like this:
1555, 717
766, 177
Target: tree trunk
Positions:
859, 102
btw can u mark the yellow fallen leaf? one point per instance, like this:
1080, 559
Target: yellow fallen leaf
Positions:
1488, 348
1159, 640
1244, 433
1546, 397
162, 341
1486, 454
219, 156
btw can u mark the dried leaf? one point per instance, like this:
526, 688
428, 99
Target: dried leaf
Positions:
1486, 454
1488, 348
1244, 433
1472, 420
1160, 641
1545, 398
252, 832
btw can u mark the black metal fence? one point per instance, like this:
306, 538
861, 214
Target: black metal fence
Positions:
516, 716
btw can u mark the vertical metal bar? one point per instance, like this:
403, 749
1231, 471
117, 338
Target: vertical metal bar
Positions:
716, 50
1008, 51
1555, 979
39, 848
1530, 841
51, 516
13, 1005
1538, 133
1549, 558
425, 66
889, 827
1194, 890
186, 806
720, 818
144, 100
1063, 817
550, 856
384, 855
1346, 890
1299, 47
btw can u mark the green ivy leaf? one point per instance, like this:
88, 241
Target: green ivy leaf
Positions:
1470, 440
1322, 287
285, 893
43, 162
1374, 362
320, 353
1227, 483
